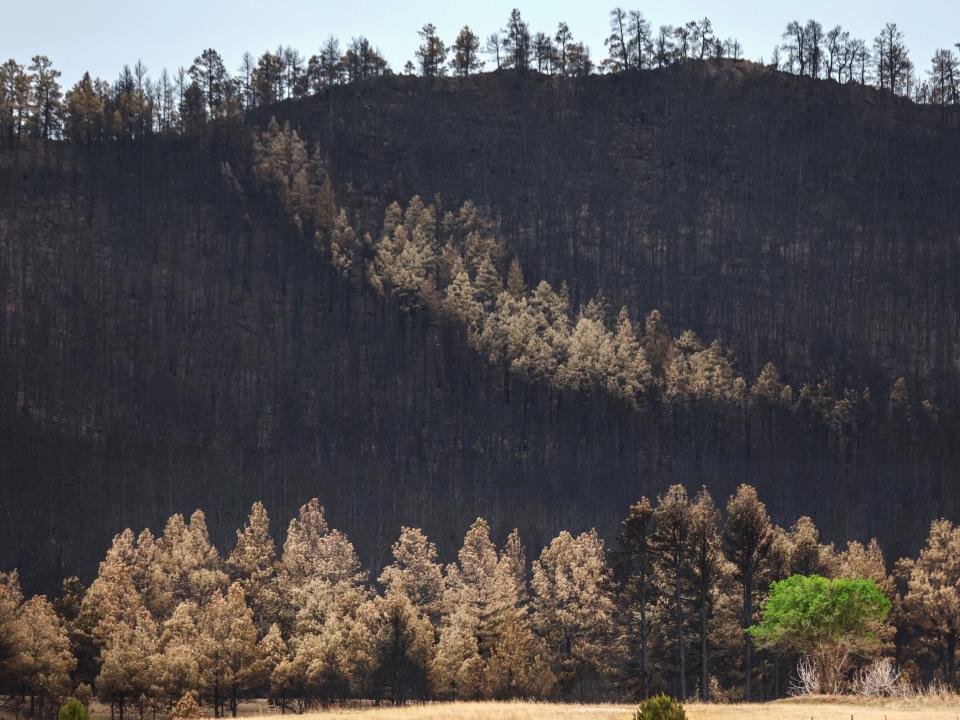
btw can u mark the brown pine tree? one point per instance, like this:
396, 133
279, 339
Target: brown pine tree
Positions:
253, 564
42, 660
708, 567
746, 543
635, 571
414, 571
574, 611
932, 601
673, 548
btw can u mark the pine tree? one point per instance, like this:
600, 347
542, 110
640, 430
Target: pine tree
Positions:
516, 42
516, 285
252, 563
470, 621
466, 52
635, 571
807, 555
177, 666
672, 545
574, 611
113, 600
186, 708
657, 343
322, 588
697, 372
487, 283
344, 245
11, 597
69, 606
708, 569
302, 553
273, 651
228, 648
513, 558
483, 599
866, 562
45, 97
932, 600
15, 100
42, 659
432, 53
84, 111
414, 571
590, 357
456, 670
746, 543
127, 669
399, 648
188, 564
631, 376
406, 255
563, 39
460, 302
319, 574
210, 75
516, 665
300, 181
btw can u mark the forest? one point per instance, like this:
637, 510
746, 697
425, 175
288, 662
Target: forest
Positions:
168, 620
530, 295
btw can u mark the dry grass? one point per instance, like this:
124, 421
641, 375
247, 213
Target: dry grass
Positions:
826, 709
806, 709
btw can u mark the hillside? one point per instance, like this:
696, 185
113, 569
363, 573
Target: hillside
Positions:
168, 343
767, 210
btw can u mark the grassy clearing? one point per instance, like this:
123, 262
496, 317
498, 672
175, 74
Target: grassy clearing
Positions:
826, 709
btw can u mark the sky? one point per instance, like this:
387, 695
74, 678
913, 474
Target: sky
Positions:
102, 36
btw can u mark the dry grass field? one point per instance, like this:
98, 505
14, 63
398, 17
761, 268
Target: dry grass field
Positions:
808, 709
826, 709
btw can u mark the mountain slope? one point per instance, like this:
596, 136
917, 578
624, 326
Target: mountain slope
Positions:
799, 221
168, 343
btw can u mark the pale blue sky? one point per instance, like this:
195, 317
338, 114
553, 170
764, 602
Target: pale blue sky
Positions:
102, 36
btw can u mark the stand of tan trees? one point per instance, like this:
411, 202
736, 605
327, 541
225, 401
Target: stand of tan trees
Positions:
663, 610
457, 267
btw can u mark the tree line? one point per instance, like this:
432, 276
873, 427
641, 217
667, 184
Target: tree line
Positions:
33, 102
666, 609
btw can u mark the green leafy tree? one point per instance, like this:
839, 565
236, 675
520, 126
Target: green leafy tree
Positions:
831, 621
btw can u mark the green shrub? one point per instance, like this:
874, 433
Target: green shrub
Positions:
660, 707
74, 710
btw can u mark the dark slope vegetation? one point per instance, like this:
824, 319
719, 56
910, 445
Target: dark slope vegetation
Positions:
799, 221
166, 343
